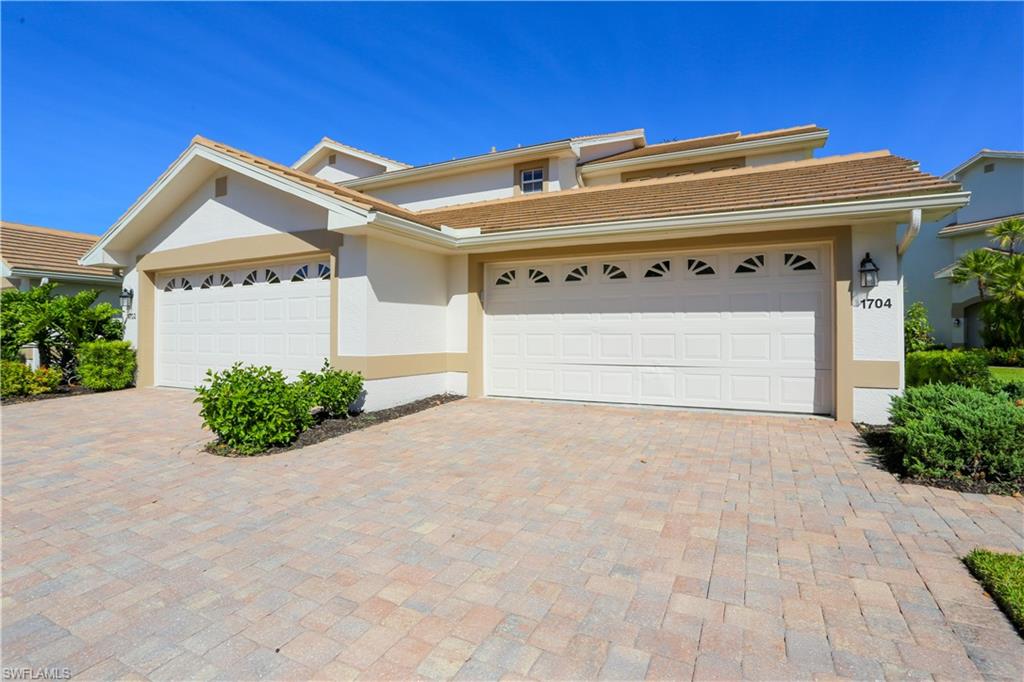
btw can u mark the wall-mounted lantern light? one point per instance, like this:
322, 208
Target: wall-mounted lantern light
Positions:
125, 299
956, 321
868, 272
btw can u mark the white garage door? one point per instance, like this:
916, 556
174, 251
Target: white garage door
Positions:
727, 329
273, 314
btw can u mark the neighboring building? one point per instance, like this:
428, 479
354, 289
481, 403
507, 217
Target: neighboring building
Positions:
995, 180
718, 272
31, 255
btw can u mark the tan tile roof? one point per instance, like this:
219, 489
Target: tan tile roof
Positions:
704, 142
352, 196
810, 181
975, 226
29, 247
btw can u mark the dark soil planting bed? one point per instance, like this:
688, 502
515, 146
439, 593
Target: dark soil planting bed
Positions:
327, 429
62, 392
889, 458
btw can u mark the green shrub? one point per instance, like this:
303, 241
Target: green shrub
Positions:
1002, 576
951, 431
15, 378
1003, 357
948, 367
45, 380
58, 325
1014, 390
106, 365
253, 408
333, 390
917, 333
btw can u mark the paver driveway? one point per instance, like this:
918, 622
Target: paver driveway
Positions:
485, 539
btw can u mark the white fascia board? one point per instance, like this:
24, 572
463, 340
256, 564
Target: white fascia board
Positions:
578, 144
99, 254
388, 164
946, 272
734, 148
66, 276
983, 154
455, 165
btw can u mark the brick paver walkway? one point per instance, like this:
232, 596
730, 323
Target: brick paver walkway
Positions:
486, 539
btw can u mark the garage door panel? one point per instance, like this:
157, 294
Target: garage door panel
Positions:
752, 340
241, 315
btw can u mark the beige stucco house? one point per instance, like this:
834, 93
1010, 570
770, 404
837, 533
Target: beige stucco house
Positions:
719, 272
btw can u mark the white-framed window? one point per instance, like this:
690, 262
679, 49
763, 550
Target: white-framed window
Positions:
531, 180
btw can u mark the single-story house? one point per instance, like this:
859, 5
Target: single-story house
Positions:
31, 255
995, 179
733, 271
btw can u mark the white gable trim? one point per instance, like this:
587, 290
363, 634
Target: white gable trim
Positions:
332, 145
102, 254
983, 154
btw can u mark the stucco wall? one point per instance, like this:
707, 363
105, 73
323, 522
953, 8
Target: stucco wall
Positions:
408, 300
994, 194
476, 185
249, 209
877, 331
345, 167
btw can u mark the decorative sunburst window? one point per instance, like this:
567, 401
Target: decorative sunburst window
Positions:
323, 271
798, 262
578, 274
750, 265
178, 283
506, 279
698, 267
659, 269
301, 275
612, 271
538, 277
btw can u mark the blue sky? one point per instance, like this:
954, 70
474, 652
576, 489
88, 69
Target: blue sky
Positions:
99, 98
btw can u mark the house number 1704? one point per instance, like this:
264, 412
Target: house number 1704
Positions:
867, 303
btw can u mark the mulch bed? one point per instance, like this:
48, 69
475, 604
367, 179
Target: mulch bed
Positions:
61, 392
889, 458
332, 428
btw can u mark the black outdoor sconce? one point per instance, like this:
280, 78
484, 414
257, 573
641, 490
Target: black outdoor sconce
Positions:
868, 272
125, 299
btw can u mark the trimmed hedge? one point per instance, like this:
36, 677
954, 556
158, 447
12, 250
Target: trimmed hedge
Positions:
966, 368
1003, 357
106, 365
333, 390
952, 431
17, 378
252, 409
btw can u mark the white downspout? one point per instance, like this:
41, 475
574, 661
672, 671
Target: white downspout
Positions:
913, 227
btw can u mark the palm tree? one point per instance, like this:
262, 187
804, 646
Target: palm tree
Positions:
1009, 234
1007, 285
980, 265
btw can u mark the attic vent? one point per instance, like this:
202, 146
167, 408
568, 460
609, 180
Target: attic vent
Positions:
220, 187
989, 167
332, 159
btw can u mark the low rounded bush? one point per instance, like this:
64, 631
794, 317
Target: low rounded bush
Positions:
106, 365
952, 431
1004, 357
15, 378
45, 380
948, 367
333, 390
254, 408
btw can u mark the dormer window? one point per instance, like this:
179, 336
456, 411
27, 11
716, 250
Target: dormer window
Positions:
531, 180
